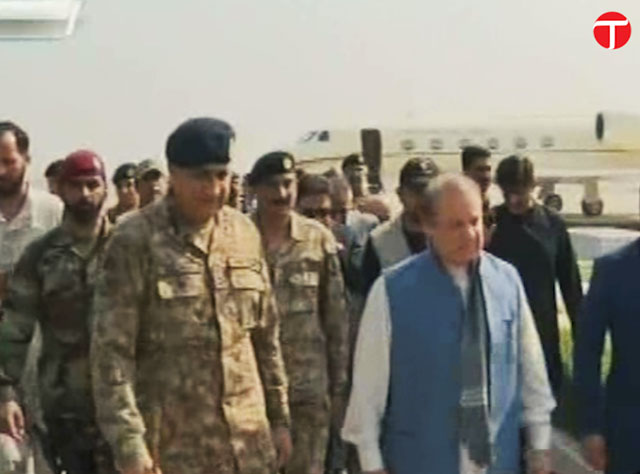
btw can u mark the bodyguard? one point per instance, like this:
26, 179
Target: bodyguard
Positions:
535, 240
52, 286
306, 276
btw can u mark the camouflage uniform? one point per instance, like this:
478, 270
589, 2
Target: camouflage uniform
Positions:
309, 288
186, 355
52, 285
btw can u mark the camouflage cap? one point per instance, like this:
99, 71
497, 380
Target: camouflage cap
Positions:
274, 163
147, 166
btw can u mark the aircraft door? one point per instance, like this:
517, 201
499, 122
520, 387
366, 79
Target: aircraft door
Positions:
371, 141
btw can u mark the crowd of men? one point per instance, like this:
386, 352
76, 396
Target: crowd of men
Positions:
288, 323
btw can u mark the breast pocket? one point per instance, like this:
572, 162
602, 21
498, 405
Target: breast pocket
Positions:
304, 291
183, 297
245, 296
505, 342
66, 301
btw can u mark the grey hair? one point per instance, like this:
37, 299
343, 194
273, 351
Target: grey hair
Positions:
439, 185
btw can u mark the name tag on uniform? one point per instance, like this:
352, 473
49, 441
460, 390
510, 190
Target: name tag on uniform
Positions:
305, 279
181, 286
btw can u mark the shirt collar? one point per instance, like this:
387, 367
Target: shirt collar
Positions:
23, 218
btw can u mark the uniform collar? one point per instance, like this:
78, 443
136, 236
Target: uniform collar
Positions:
64, 238
295, 225
199, 236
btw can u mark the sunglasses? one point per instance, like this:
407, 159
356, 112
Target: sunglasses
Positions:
316, 213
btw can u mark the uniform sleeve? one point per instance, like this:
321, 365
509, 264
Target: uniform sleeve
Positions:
569, 275
118, 303
587, 362
21, 313
266, 343
335, 320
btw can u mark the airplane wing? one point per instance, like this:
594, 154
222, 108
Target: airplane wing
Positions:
574, 176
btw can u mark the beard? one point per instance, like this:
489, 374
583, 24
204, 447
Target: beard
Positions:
83, 212
10, 186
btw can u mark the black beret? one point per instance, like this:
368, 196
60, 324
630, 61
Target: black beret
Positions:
126, 171
200, 142
417, 172
274, 163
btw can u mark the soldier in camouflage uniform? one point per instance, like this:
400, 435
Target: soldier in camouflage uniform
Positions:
188, 373
53, 285
307, 279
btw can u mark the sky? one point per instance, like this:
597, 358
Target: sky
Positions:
135, 69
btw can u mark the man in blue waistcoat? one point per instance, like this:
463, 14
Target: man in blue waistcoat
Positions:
448, 363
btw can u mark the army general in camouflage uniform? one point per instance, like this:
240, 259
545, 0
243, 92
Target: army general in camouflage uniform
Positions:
53, 285
306, 276
188, 373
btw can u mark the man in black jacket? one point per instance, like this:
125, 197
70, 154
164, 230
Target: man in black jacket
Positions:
535, 240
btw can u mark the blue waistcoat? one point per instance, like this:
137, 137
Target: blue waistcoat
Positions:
420, 427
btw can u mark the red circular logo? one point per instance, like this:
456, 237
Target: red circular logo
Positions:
612, 30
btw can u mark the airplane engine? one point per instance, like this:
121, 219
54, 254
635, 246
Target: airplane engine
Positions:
618, 130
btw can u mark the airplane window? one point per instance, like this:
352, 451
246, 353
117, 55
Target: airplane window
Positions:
323, 136
520, 142
493, 143
407, 144
547, 141
464, 142
307, 137
436, 144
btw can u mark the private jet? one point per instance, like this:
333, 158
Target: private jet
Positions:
581, 151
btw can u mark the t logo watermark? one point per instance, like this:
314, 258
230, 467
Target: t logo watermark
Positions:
612, 30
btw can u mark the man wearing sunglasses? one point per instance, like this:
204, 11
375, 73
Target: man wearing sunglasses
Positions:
307, 280
314, 199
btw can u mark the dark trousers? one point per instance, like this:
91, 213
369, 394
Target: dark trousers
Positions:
77, 447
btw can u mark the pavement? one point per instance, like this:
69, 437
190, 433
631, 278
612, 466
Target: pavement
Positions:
566, 456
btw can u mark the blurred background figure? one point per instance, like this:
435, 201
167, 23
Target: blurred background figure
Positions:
476, 164
52, 174
314, 199
348, 219
124, 180
377, 206
354, 169
236, 195
151, 181
248, 197
534, 239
